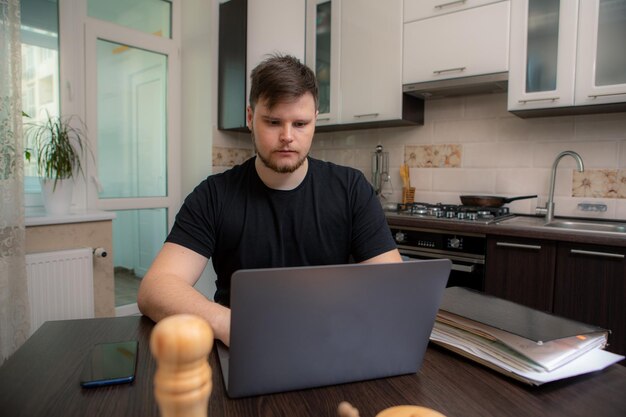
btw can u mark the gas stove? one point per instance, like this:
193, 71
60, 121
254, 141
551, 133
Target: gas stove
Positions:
450, 212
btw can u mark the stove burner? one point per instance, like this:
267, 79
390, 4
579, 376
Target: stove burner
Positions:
450, 212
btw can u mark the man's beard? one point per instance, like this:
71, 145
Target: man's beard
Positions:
285, 169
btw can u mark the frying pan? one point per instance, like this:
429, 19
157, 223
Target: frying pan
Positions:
490, 201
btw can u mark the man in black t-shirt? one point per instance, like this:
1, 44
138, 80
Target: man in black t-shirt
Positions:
279, 208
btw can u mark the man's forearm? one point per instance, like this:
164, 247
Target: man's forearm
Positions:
164, 296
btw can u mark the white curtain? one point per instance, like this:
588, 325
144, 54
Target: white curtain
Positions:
14, 308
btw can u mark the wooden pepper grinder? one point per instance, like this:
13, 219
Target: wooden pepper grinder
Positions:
182, 382
345, 409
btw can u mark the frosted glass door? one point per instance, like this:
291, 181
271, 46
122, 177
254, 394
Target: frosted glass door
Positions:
132, 135
542, 60
132, 68
543, 45
601, 65
322, 54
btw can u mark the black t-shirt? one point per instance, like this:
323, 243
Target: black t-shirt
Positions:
332, 217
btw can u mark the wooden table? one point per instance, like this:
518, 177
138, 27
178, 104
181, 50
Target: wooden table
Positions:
41, 379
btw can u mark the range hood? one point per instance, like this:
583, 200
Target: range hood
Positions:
477, 84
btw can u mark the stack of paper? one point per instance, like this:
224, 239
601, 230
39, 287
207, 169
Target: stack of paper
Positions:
526, 344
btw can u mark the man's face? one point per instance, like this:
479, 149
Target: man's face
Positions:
282, 136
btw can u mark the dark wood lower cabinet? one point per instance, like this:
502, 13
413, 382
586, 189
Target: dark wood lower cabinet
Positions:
590, 286
521, 270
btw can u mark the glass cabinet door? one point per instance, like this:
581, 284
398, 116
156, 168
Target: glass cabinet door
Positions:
322, 54
542, 48
542, 54
601, 61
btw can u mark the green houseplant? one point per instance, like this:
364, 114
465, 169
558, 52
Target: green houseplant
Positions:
59, 148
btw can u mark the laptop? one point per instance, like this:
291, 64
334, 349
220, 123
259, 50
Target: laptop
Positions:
303, 327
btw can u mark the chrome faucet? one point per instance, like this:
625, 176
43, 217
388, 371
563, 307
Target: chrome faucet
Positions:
548, 210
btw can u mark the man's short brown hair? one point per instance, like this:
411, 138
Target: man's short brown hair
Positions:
280, 79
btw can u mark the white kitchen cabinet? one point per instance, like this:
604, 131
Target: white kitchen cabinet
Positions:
423, 9
355, 47
371, 53
323, 37
274, 26
601, 59
461, 44
249, 32
567, 56
543, 54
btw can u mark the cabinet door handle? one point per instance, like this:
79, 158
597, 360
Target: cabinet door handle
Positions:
323, 119
367, 115
538, 99
449, 70
463, 268
518, 245
452, 3
605, 95
602, 254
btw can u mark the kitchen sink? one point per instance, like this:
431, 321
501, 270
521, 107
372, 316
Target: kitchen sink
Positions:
592, 226
573, 224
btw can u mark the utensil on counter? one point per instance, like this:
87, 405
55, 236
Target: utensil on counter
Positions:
404, 174
490, 200
380, 170
408, 192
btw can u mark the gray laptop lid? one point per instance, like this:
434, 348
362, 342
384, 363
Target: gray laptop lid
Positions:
303, 327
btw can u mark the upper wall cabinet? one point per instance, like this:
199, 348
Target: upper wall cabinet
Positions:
567, 57
422, 9
248, 33
370, 67
453, 45
355, 48
323, 36
601, 63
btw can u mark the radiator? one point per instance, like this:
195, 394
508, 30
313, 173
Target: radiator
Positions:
60, 285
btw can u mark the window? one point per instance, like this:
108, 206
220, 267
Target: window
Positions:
40, 75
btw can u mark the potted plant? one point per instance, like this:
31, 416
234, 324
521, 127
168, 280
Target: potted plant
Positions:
58, 147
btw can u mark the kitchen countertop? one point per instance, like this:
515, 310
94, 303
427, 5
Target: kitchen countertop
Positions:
532, 228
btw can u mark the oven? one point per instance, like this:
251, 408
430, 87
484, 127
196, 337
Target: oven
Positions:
466, 251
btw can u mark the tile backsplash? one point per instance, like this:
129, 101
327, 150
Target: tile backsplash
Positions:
473, 145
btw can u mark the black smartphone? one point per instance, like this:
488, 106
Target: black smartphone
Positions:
110, 363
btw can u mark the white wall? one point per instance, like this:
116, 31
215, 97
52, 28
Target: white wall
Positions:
199, 89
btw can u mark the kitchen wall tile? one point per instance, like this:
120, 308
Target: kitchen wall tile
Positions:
399, 136
420, 178
551, 129
494, 155
512, 128
486, 106
465, 131
600, 183
601, 126
521, 181
473, 181
621, 183
621, 163
438, 156
229, 139
568, 207
479, 155
595, 154
228, 157
444, 109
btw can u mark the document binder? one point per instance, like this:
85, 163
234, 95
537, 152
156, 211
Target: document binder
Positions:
526, 344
